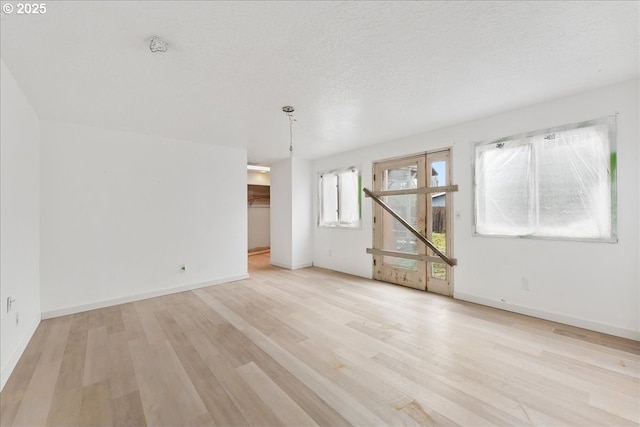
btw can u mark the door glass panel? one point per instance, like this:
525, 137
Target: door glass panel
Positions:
401, 178
439, 271
439, 174
438, 216
396, 236
404, 263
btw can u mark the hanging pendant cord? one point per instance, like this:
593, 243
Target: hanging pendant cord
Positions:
290, 134
288, 110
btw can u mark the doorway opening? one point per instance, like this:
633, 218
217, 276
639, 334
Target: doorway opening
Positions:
258, 212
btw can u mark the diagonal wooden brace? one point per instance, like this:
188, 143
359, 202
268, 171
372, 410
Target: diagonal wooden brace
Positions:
443, 257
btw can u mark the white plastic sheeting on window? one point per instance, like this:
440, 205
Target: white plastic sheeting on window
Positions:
348, 197
328, 199
574, 193
557, 183
504, 189
339, 198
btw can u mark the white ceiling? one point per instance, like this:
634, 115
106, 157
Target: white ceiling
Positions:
358, 73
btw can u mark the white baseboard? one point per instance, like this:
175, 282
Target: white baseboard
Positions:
554, 317
266, 251
290, 266
137, 297
15, 357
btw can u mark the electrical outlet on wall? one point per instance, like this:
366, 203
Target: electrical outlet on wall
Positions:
524, 284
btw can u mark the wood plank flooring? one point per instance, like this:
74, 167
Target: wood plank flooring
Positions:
317, 348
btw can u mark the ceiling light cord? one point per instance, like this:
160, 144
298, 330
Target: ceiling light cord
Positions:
290, 135
288, 110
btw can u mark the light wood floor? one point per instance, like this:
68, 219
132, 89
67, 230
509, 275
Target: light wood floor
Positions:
314, 347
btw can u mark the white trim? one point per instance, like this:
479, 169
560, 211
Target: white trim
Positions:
554, 317
15, 357
291, 267
137, 297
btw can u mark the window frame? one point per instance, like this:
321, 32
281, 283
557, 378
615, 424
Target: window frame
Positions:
610, 122
339, 224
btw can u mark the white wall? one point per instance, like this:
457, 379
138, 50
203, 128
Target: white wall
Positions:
592, 285
291, 215
302, 216
258, 178
281, 214
19, 222
121, 212
259, 227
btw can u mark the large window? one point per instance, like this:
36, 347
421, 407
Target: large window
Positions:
339, 198
556, 183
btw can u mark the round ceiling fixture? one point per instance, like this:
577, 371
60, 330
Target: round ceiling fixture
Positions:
288, 109
157, 45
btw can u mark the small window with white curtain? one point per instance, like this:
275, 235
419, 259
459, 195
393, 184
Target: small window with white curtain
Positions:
339, 198
558, 183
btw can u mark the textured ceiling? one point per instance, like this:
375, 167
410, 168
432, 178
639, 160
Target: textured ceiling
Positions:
358, 73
